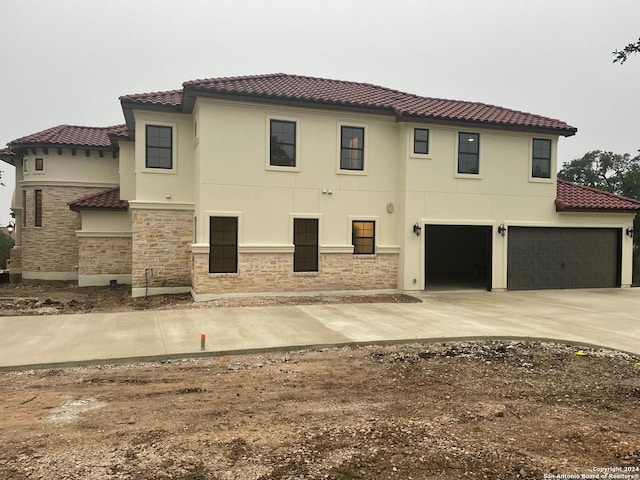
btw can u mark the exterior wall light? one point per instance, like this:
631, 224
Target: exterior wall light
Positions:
417, 229
629, 231
502, 230
11, 228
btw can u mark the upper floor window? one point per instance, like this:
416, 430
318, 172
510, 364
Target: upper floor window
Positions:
39, 166
541, 160
282, 144
363, 237
421, 141
468, 153
351, 148
25, 165
159, 143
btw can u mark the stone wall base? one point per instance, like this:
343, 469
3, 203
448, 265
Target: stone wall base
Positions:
104, 256
103, 280
273, 272
15, 262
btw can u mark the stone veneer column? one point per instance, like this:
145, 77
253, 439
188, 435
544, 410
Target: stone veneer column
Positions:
51, 251
161, 242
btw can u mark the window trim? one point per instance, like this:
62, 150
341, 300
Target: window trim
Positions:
317, 244
459, 174
36, 170
24, 208
25, 166
174, 148
353, 236
533, 178
236, 244
366, 157
412, 146
282, 168
37, 208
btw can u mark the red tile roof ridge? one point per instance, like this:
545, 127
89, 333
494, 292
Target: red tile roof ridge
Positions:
78, 135
241, 77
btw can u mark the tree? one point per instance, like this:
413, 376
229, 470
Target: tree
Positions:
613, 173
622, 55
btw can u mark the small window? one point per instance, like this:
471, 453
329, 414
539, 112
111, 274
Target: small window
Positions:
159, 141
38, 208
24, 208
468, 153
39, 164
223, 244
283, 144
421, 141
541, 161
305, 240
25, 165
363, 237
352, 148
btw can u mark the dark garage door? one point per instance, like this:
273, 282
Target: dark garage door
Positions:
563, 258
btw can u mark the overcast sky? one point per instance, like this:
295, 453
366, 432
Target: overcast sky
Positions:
67, 62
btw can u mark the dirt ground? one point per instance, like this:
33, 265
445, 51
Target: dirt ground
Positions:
484, 410
476, 410
51, 298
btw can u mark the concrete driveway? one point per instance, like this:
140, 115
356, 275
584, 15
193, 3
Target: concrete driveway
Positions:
602, 317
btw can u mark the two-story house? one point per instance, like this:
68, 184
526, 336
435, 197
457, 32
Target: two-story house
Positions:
283, 183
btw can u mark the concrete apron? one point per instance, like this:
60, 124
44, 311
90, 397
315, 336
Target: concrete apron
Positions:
600, 317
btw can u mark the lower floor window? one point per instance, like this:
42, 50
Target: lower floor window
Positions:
223, 244
363, 237
305, 240
38, 205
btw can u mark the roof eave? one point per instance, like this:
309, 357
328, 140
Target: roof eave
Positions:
78, 208
128, 106
570, 209
191, 93
565, 132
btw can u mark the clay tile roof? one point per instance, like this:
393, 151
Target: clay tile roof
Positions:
337, 92
108, 200
172, 98
71, 135
573, 197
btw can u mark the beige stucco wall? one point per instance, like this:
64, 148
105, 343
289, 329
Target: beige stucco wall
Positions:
110, 221
127, 170
234, 176
158, 185
72, 169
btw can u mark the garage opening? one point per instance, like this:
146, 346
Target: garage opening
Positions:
546, 257
457, 257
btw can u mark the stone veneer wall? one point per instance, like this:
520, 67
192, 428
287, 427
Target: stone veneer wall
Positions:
258, 273
161, 241
53, 247
104, 255
16, 263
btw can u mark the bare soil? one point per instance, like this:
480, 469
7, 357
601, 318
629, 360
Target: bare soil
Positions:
477, 410
485, 410
51, 298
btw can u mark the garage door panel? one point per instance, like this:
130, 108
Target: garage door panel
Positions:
563, 258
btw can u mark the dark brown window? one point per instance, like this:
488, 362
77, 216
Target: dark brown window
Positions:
159, 141
24, 208
39, 164
305, 240
38, 210
363, 236
421, 141
468, 153
352, 148
541, 161
223, 244
283, 144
